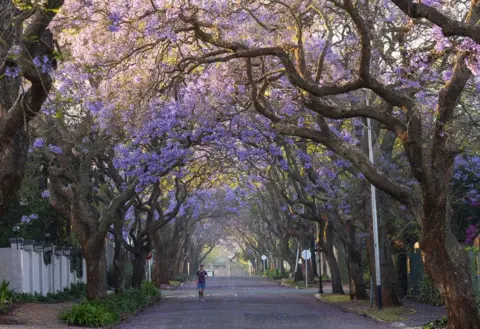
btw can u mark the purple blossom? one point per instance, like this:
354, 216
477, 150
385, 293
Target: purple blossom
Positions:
43, 63
37, 62
39, 142
471, 234
12, 71
114, 22
27, 219
430, 2
55, 149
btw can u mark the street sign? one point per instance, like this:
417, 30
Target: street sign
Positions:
306, 254
263, 257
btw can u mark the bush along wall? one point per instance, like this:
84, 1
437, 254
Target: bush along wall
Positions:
112, 309
427, 293
9, 297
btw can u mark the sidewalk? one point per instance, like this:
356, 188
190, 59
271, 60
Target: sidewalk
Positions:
410, 315
423, 313
32, 315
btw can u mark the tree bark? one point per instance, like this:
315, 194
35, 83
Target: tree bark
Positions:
446, 262
357, 283
389, 278
12, 168
139, 263
327, 245
164, 259
96, 264
160, 271
119, 256
337, 287
119, 267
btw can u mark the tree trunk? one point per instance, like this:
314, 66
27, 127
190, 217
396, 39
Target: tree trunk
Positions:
160, 270
327, 245
298, 274
12, 168
355, 269
389, 278
139, 263
96, 269
314, 259
119, 268
359, 291
283, 272
119, 256
446, 262
337, 287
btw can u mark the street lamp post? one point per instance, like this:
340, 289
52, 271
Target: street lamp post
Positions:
319, 258
375, 222
16, 229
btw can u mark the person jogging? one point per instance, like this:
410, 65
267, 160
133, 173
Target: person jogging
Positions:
201, 281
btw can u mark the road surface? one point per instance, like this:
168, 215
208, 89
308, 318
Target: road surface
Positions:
245, 303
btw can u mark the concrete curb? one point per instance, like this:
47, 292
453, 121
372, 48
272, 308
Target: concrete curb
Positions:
361, 312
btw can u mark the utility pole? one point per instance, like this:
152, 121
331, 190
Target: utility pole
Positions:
375, 222
319, 259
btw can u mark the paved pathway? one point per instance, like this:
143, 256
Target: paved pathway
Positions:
245, 303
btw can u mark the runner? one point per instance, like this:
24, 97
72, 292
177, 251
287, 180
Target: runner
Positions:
201, 276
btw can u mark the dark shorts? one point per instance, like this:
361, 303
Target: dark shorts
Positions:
201, 285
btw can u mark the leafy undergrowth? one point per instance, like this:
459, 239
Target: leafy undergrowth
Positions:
390, 314
298, 284
74, 292
335, 298
362, 307
9, 297
437, 324
112, 309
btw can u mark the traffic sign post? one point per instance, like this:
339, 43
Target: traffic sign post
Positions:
306, 254
263, 259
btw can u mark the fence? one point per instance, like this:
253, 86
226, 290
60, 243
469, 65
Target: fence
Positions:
35, 268
416, 271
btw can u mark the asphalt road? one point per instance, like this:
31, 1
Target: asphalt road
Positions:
245, 303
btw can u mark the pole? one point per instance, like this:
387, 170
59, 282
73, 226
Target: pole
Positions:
375, 222
296, 259
319, 261
188, 268
306, 272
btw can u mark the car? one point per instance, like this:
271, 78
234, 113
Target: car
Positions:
209, 272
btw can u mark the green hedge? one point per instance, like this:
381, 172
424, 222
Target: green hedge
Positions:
75, 291
9, 296
427, 293
437, 324
272, 274
112, 309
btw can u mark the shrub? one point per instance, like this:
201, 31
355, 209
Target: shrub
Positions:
150, 289
427, 293
180, 278
89, 315
437, 324
273, 274
5, 300
111, 309
75, 291
477, 293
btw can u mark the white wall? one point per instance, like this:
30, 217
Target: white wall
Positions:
27, 272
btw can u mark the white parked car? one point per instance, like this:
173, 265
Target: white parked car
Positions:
209, 272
